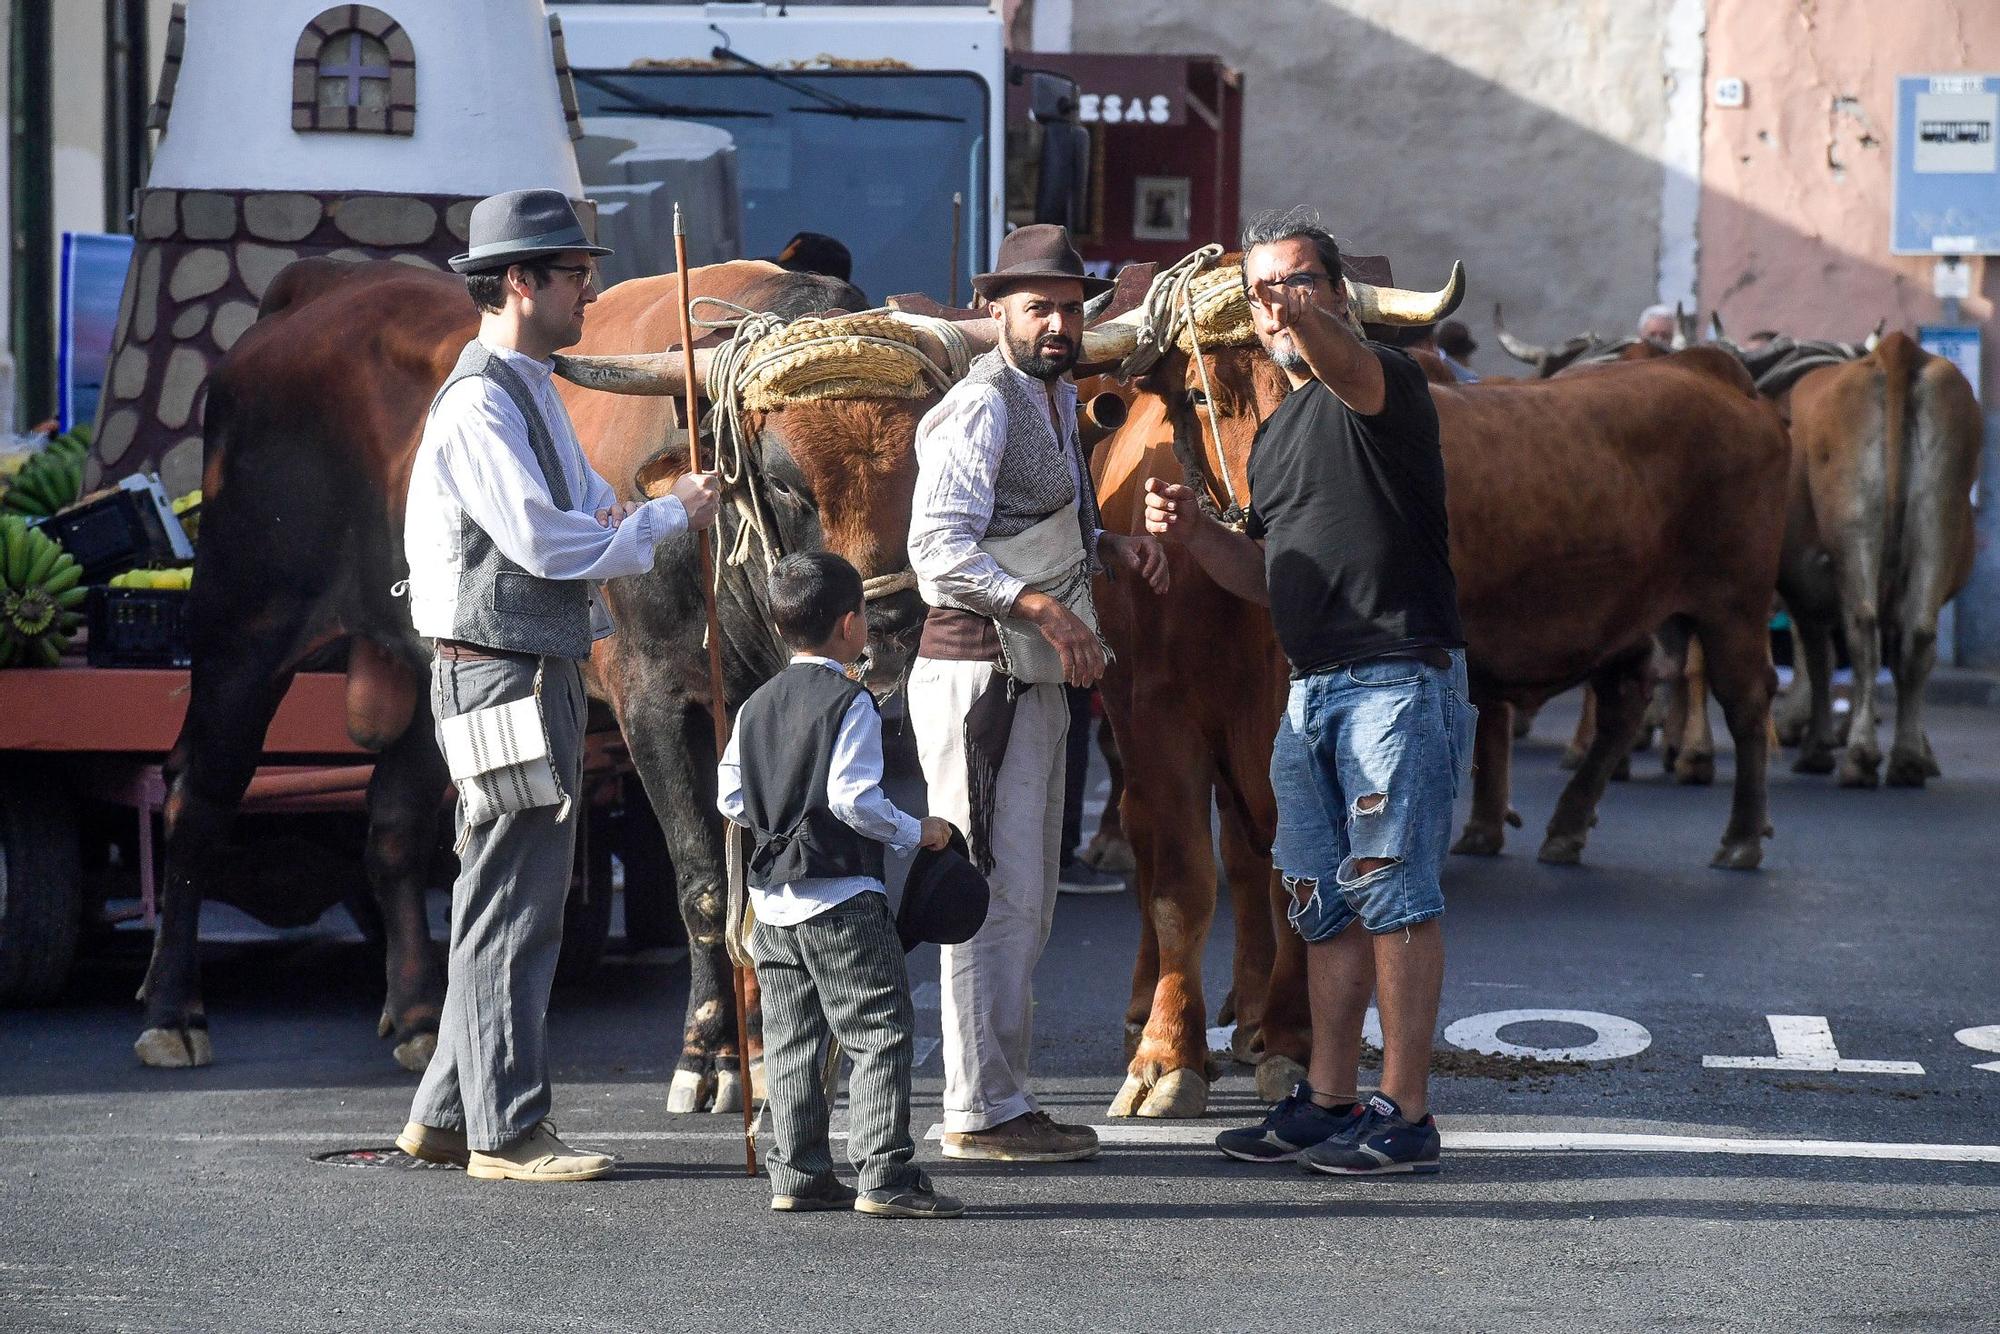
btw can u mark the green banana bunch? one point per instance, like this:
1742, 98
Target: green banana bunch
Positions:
52, 479
41, 595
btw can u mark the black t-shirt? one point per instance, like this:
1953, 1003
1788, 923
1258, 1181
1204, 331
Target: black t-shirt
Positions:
1351, 513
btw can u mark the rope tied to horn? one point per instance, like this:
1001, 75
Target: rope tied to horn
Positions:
769, 362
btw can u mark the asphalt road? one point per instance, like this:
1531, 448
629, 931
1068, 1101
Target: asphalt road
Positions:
136, 1199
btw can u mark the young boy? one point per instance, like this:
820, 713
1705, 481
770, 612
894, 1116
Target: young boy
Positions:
803, 773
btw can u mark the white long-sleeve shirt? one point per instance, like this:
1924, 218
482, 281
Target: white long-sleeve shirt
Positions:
853, 793
475, 461
959, 444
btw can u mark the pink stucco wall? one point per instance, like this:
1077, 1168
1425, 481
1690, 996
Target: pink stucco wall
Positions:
1796, 183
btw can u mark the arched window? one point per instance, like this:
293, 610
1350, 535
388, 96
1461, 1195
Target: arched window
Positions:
354, 69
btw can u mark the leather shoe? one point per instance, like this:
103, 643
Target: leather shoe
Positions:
538, 1156
433, 1144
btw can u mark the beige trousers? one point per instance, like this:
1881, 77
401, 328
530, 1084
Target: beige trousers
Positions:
988, 982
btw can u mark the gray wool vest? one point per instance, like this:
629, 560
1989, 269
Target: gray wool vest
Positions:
1035, 478
501, 605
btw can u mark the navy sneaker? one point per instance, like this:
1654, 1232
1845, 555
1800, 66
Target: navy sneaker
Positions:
1382, 1143
1295, 1123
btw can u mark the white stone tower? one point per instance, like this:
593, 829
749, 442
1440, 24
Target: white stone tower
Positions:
293, 128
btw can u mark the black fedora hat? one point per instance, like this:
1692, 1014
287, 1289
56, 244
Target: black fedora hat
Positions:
944, 899
521, 225
1039, 251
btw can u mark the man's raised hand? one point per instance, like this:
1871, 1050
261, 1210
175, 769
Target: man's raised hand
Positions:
1172, 511
699, 494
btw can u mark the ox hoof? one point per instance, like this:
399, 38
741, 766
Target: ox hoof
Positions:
1859, 770
1907, 770
1245, 1047
689, 1091
1277, 1076
1739, 855
174, 1048
1571, 757
1182, 1094
1478, 841
414, 1054
1561, 850
757, 1093
1130, 1095
1814, 760
728, 1092
1694, 770
385, 1025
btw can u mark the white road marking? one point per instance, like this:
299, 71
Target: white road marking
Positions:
1984, 1037
1578, 1141
1127, 1134
1613, 1037
1805, 1043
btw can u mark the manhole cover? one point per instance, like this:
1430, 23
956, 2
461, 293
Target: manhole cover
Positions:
392, 1158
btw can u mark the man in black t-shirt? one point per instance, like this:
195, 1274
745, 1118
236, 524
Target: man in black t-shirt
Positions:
1346, 542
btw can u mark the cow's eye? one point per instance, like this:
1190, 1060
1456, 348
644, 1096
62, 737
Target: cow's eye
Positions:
1197, 399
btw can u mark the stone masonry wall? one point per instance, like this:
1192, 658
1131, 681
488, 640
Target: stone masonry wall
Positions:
201, 263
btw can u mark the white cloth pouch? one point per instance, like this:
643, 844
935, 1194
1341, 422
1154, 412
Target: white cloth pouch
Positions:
1049, 558
500, 760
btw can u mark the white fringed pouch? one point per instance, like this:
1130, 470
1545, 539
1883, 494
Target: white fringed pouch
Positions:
499, 758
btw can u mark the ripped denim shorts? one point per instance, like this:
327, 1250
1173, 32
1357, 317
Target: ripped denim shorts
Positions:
1368, 760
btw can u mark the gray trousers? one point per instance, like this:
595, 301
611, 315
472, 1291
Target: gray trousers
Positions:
988, 982
490, 1075
840, 974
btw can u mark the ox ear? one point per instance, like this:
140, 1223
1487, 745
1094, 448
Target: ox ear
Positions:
1396, 305
656, 374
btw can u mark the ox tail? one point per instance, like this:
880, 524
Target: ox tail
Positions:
1899, 359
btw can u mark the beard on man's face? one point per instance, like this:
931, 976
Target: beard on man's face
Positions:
1284, 350
1044, 358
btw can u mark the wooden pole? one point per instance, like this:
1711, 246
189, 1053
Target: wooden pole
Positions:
718, 701
957, 226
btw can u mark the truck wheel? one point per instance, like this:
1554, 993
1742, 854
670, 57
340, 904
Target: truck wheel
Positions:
587, 914
41, 888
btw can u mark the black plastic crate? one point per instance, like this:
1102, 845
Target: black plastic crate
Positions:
137, 627
117, 529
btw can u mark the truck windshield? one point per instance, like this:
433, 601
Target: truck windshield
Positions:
850, 166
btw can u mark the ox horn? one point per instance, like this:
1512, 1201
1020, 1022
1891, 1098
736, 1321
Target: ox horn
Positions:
1528, 354
656, 374
1395, 305
1875, 338
1113, 340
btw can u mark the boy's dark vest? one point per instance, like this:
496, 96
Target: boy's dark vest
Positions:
785, 737
501, 605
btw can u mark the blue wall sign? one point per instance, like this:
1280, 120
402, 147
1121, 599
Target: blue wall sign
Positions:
1947, 166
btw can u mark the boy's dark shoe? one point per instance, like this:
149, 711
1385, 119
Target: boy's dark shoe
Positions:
828, 1195
1032, 1137
1382, 1144
1294, 1123
918, 1200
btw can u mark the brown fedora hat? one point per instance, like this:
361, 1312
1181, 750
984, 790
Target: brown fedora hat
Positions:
1041, 250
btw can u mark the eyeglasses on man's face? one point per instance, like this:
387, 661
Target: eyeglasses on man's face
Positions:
1271, 289
585, 274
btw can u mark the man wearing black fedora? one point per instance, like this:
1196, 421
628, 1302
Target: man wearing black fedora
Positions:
508, 529
1004, 539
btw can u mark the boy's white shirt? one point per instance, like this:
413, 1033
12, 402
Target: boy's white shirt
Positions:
853, 793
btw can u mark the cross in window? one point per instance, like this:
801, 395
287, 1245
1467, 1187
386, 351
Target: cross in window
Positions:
354, 71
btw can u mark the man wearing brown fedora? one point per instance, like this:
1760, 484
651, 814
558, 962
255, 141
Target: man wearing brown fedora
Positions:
1004, 539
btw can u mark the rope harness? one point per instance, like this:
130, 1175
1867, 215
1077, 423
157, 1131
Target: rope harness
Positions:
1190, 303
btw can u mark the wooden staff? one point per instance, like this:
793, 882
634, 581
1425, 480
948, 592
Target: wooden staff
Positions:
718, 702
957, 225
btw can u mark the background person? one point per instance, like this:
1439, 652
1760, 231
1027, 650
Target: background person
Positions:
507, 529
1347, 544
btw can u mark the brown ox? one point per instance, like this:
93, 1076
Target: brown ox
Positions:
1878, 538
1570, 504
311, 425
